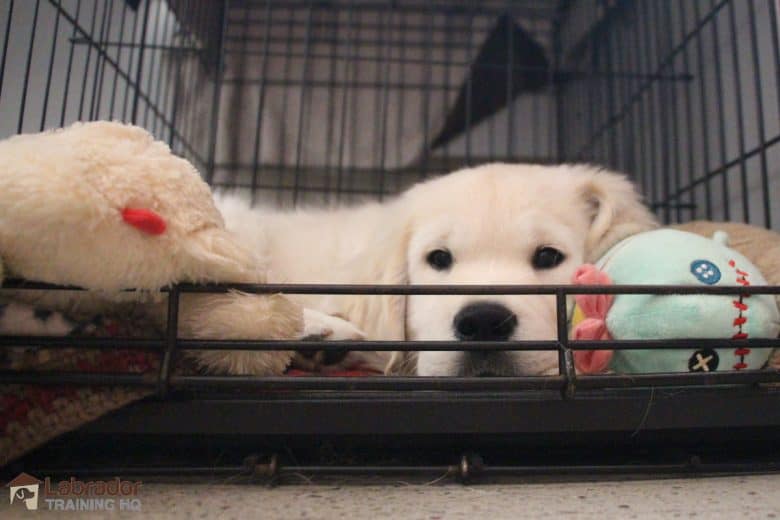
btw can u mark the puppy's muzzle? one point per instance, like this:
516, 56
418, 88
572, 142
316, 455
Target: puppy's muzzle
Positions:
485, 321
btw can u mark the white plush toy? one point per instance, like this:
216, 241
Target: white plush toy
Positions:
106, 207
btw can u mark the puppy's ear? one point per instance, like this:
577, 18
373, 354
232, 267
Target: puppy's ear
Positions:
615, 209
383, 261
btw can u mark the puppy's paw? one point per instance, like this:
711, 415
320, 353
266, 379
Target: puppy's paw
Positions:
318, 325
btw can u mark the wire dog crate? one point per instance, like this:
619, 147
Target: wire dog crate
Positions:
296, 102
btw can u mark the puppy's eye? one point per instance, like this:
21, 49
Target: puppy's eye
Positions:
547, 258
439, 259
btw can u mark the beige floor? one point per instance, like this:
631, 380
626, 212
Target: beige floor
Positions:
721, 497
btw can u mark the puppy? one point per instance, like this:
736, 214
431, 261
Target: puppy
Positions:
493, 224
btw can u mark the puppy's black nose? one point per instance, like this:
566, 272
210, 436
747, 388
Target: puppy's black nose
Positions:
484, 321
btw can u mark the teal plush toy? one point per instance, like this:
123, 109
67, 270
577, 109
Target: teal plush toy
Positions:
671, 257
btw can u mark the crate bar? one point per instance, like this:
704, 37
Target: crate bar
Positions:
408, 413
27, 67
479, 289
663, 65
396, 289
526, 9
52, 55
393, 383
721, 170
125, 76
759, 97
284, 472
380, 346
6, 37
217, 93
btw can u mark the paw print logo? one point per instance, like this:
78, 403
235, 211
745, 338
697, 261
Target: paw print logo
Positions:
705, 271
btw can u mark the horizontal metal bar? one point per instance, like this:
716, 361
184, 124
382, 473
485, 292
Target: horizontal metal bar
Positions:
688, 467
392, 383
379, 346
390, 289
479, 289
623, 411
81, 342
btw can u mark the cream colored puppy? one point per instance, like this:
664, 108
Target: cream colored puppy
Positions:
494, 224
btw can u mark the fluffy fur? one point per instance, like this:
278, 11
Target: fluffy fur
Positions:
492, 218
61, 198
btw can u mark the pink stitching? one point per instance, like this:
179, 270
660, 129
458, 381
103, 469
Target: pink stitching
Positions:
740, 320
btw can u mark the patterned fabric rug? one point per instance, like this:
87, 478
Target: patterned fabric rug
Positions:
31, 415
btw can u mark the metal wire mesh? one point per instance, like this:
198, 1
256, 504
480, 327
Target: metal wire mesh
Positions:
311, 101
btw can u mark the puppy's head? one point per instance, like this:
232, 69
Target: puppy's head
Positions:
506, 224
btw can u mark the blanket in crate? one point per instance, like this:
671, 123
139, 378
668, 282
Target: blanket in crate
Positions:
31, 415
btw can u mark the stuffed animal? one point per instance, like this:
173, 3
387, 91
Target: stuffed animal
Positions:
672, 257
104, 206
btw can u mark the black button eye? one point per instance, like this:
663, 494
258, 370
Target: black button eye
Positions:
439, 259
547, 258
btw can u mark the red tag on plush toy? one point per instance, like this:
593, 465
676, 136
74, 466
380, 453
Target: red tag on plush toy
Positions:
144, 219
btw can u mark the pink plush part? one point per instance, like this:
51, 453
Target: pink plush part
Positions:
594, 327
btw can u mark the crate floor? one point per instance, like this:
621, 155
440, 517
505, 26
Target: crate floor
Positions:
721, 497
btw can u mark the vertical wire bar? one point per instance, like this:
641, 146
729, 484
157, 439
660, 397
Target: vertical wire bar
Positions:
222, 20
130, 60
377, 90
469, 86
197, 72
166, 45
427, 84
302, 105
721, 119
445, 91
119, 52
688, 126
773, 14
704, 113
609, 77
70, 62
27, 67
171, 340
172, 88
6, 38
402, 30
261, 102
673, 115
354, 110
154, 51
386, 53
642, 127
760, 115
331, 101
565, 358
625, 160
350, 70
591, 78
664, 117
140, 67
558, 89
100, 60
52, 55
740, 111
287, 80
89, 60
510, 101
647, 46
